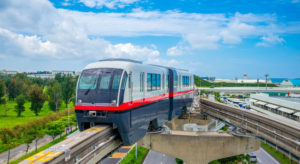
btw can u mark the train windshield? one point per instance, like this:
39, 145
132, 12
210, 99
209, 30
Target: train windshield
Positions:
101, 85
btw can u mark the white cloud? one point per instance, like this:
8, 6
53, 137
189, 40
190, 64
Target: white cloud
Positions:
28, 45
112, 4
270, 40
131, 51
35, 28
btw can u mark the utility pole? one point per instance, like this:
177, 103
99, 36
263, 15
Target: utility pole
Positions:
266, 80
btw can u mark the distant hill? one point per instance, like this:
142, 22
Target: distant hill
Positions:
203, 83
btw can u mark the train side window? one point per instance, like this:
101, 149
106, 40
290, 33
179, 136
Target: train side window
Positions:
149, 82
153, 82
185, 81
124, 81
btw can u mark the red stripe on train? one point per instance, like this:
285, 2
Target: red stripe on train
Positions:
132, 104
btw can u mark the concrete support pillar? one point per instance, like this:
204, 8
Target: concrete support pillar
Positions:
199, 147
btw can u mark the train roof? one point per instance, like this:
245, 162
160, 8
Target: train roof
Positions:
122, 63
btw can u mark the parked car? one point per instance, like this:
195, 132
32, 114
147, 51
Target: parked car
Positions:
253, 157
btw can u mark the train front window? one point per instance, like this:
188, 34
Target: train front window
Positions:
88, 80
100, 86
105, 81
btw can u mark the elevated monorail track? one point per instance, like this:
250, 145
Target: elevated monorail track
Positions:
89, 146
278, 132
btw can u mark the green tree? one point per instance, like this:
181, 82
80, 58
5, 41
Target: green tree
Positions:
14, 88
37, 135
59, 77
2, 89
7, 137
28, 137
54, 93
54, 129
3, 93
68, 89
37, 99
20, 100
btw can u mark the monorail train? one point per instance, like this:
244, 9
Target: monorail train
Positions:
131, 96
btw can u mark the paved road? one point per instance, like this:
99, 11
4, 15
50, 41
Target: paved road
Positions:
264, 157
20, 150
158, 158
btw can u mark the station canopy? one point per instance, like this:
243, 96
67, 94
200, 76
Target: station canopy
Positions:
297, 114
252, 100
272, 106
286, 110
260, 103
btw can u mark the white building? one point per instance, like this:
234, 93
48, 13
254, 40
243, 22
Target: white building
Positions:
6, 72
72, 73
287, 108
290, 83
42, 76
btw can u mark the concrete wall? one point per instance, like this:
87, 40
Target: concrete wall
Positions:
199, 147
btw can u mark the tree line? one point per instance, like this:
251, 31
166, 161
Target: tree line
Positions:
20, 88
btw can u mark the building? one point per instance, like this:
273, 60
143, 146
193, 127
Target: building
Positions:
250, 81
282, 107
72, 73
6, 72
277, 81
210, 79
225, 81
42, 76
290, 83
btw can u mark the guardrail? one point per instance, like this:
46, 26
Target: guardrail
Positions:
251, 89
280, 133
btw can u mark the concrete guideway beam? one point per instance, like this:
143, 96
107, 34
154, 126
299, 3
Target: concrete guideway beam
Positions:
251, 89
280, 133
199, 147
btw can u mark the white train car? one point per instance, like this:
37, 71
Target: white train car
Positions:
131, 96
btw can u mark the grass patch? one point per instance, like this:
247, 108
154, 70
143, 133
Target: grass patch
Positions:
11, 120
277, 154
130, 158
44, 147
225, 128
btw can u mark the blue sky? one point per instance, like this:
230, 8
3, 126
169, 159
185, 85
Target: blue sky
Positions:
210, 38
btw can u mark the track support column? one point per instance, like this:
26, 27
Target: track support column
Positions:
199, 147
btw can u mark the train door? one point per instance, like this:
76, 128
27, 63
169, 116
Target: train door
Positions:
142, 86
172, 83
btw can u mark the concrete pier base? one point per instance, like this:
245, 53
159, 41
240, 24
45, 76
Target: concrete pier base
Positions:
199, 147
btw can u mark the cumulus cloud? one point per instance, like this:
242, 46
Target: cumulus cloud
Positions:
29, 45
36, 28
111, 4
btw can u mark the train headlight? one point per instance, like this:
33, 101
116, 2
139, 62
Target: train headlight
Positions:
80, 101
113, 101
